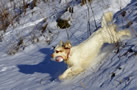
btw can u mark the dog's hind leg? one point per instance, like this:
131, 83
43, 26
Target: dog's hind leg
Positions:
124, 33
111, 35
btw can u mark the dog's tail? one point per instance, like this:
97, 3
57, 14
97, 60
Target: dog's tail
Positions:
109, 30
107, 17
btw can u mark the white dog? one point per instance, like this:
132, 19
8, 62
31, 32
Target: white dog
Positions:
79, 57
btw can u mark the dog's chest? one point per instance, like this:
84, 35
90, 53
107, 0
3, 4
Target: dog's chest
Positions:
69, 63
72, 61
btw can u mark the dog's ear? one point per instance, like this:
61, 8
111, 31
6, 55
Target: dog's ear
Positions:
61, 43
67, 44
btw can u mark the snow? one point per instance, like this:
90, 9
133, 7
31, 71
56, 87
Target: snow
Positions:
32, 68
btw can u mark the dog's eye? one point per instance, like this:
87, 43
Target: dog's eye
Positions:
57, 51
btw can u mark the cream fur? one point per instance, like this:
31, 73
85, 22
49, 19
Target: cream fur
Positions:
82, 55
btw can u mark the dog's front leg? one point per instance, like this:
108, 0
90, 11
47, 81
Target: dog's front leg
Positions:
64, 75
70, 72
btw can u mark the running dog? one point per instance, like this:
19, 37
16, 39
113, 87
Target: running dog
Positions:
79, 57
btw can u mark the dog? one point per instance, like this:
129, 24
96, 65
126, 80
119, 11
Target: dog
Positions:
79, 57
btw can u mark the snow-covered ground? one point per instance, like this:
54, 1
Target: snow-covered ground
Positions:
32, 69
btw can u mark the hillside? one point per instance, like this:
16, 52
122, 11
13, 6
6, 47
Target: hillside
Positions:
30, 29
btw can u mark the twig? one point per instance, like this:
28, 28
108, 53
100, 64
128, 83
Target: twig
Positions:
132, 28
82, 84
94, 17
67, 34
133, 31
88, 20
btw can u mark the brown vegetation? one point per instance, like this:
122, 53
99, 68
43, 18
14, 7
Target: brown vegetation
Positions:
62, 23
83, 2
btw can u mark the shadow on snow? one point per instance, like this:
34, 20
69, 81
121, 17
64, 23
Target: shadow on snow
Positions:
46, 66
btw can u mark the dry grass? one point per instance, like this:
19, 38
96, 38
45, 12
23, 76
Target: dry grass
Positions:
83, 2
15, 47
9, 16
4, 19
6, 16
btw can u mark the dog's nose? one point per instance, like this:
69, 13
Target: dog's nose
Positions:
52, 55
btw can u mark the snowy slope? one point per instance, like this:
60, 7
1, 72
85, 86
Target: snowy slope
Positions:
31, 69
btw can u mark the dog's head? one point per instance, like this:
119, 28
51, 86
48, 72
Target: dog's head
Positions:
61, 51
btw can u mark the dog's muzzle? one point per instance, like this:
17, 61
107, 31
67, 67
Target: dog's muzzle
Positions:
58, 59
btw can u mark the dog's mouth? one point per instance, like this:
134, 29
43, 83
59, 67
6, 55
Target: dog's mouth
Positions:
59, 59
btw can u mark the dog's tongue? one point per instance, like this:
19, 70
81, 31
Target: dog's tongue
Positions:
59, 59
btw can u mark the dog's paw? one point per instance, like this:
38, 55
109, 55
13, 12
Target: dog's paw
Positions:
61, 77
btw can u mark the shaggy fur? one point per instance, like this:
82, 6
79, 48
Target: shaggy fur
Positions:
79, 57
